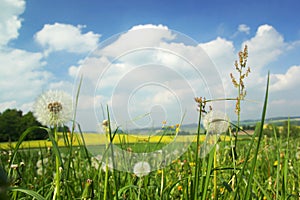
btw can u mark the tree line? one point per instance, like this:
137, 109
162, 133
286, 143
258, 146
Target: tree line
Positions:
13, 123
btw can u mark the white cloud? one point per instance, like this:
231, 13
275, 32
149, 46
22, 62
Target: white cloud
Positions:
21, 75
10, 22
152, 57
288, 81
265, 46
140, 36
221, 52
7, 104
59, 37
244, 28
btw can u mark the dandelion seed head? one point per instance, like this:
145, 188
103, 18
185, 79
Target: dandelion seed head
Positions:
141, 169
216, 122
53, 108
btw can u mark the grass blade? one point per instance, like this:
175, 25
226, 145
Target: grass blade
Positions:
21, 139
26, 191
260, 133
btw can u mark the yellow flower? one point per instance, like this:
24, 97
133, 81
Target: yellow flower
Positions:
222, 190
179, 188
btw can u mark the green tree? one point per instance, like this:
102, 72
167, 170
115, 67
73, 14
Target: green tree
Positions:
13, 123
10, 125
28, 120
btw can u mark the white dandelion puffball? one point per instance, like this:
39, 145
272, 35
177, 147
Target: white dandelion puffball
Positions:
53, 108
216, 122
141, 169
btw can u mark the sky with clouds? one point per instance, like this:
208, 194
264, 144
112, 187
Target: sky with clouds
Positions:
147, 60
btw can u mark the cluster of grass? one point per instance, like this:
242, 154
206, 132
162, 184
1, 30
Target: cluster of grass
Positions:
275, 176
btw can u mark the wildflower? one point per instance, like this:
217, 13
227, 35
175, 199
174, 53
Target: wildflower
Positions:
177, 128
105, 126
222, 190
40, 163
201, 103
141, 169
14, 166
39, 171
216, 122
22, 164
95, 162
179, 188
53, 108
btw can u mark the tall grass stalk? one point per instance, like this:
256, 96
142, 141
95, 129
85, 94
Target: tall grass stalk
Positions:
285, 165
208, 170
194, 190
73, 128
111, 138
258, 133
215, 172
278, 161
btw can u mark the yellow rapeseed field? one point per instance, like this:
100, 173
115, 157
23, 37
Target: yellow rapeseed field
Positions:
101, 139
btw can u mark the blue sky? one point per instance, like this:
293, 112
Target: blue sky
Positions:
46, 44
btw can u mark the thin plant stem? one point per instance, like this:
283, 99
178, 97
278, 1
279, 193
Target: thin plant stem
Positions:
162, 184
196, 176
56, 194
106, 169
215, 172
208, 173
111, 138
140, 185
106, 179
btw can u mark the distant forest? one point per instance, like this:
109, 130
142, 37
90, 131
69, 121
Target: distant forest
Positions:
13, 123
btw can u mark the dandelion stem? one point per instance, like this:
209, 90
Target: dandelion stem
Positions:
57, 175
162, 184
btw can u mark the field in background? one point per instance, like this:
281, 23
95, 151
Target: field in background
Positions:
100, 139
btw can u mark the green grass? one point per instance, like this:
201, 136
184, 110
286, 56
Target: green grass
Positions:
276, 173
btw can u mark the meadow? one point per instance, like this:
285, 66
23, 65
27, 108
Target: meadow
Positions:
275, 176
219, 161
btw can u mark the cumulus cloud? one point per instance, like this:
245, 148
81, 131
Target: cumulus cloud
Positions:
21, 75
288, 81
265, 46
59, 37
152, 66
10, 22
140, 36
244, 28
